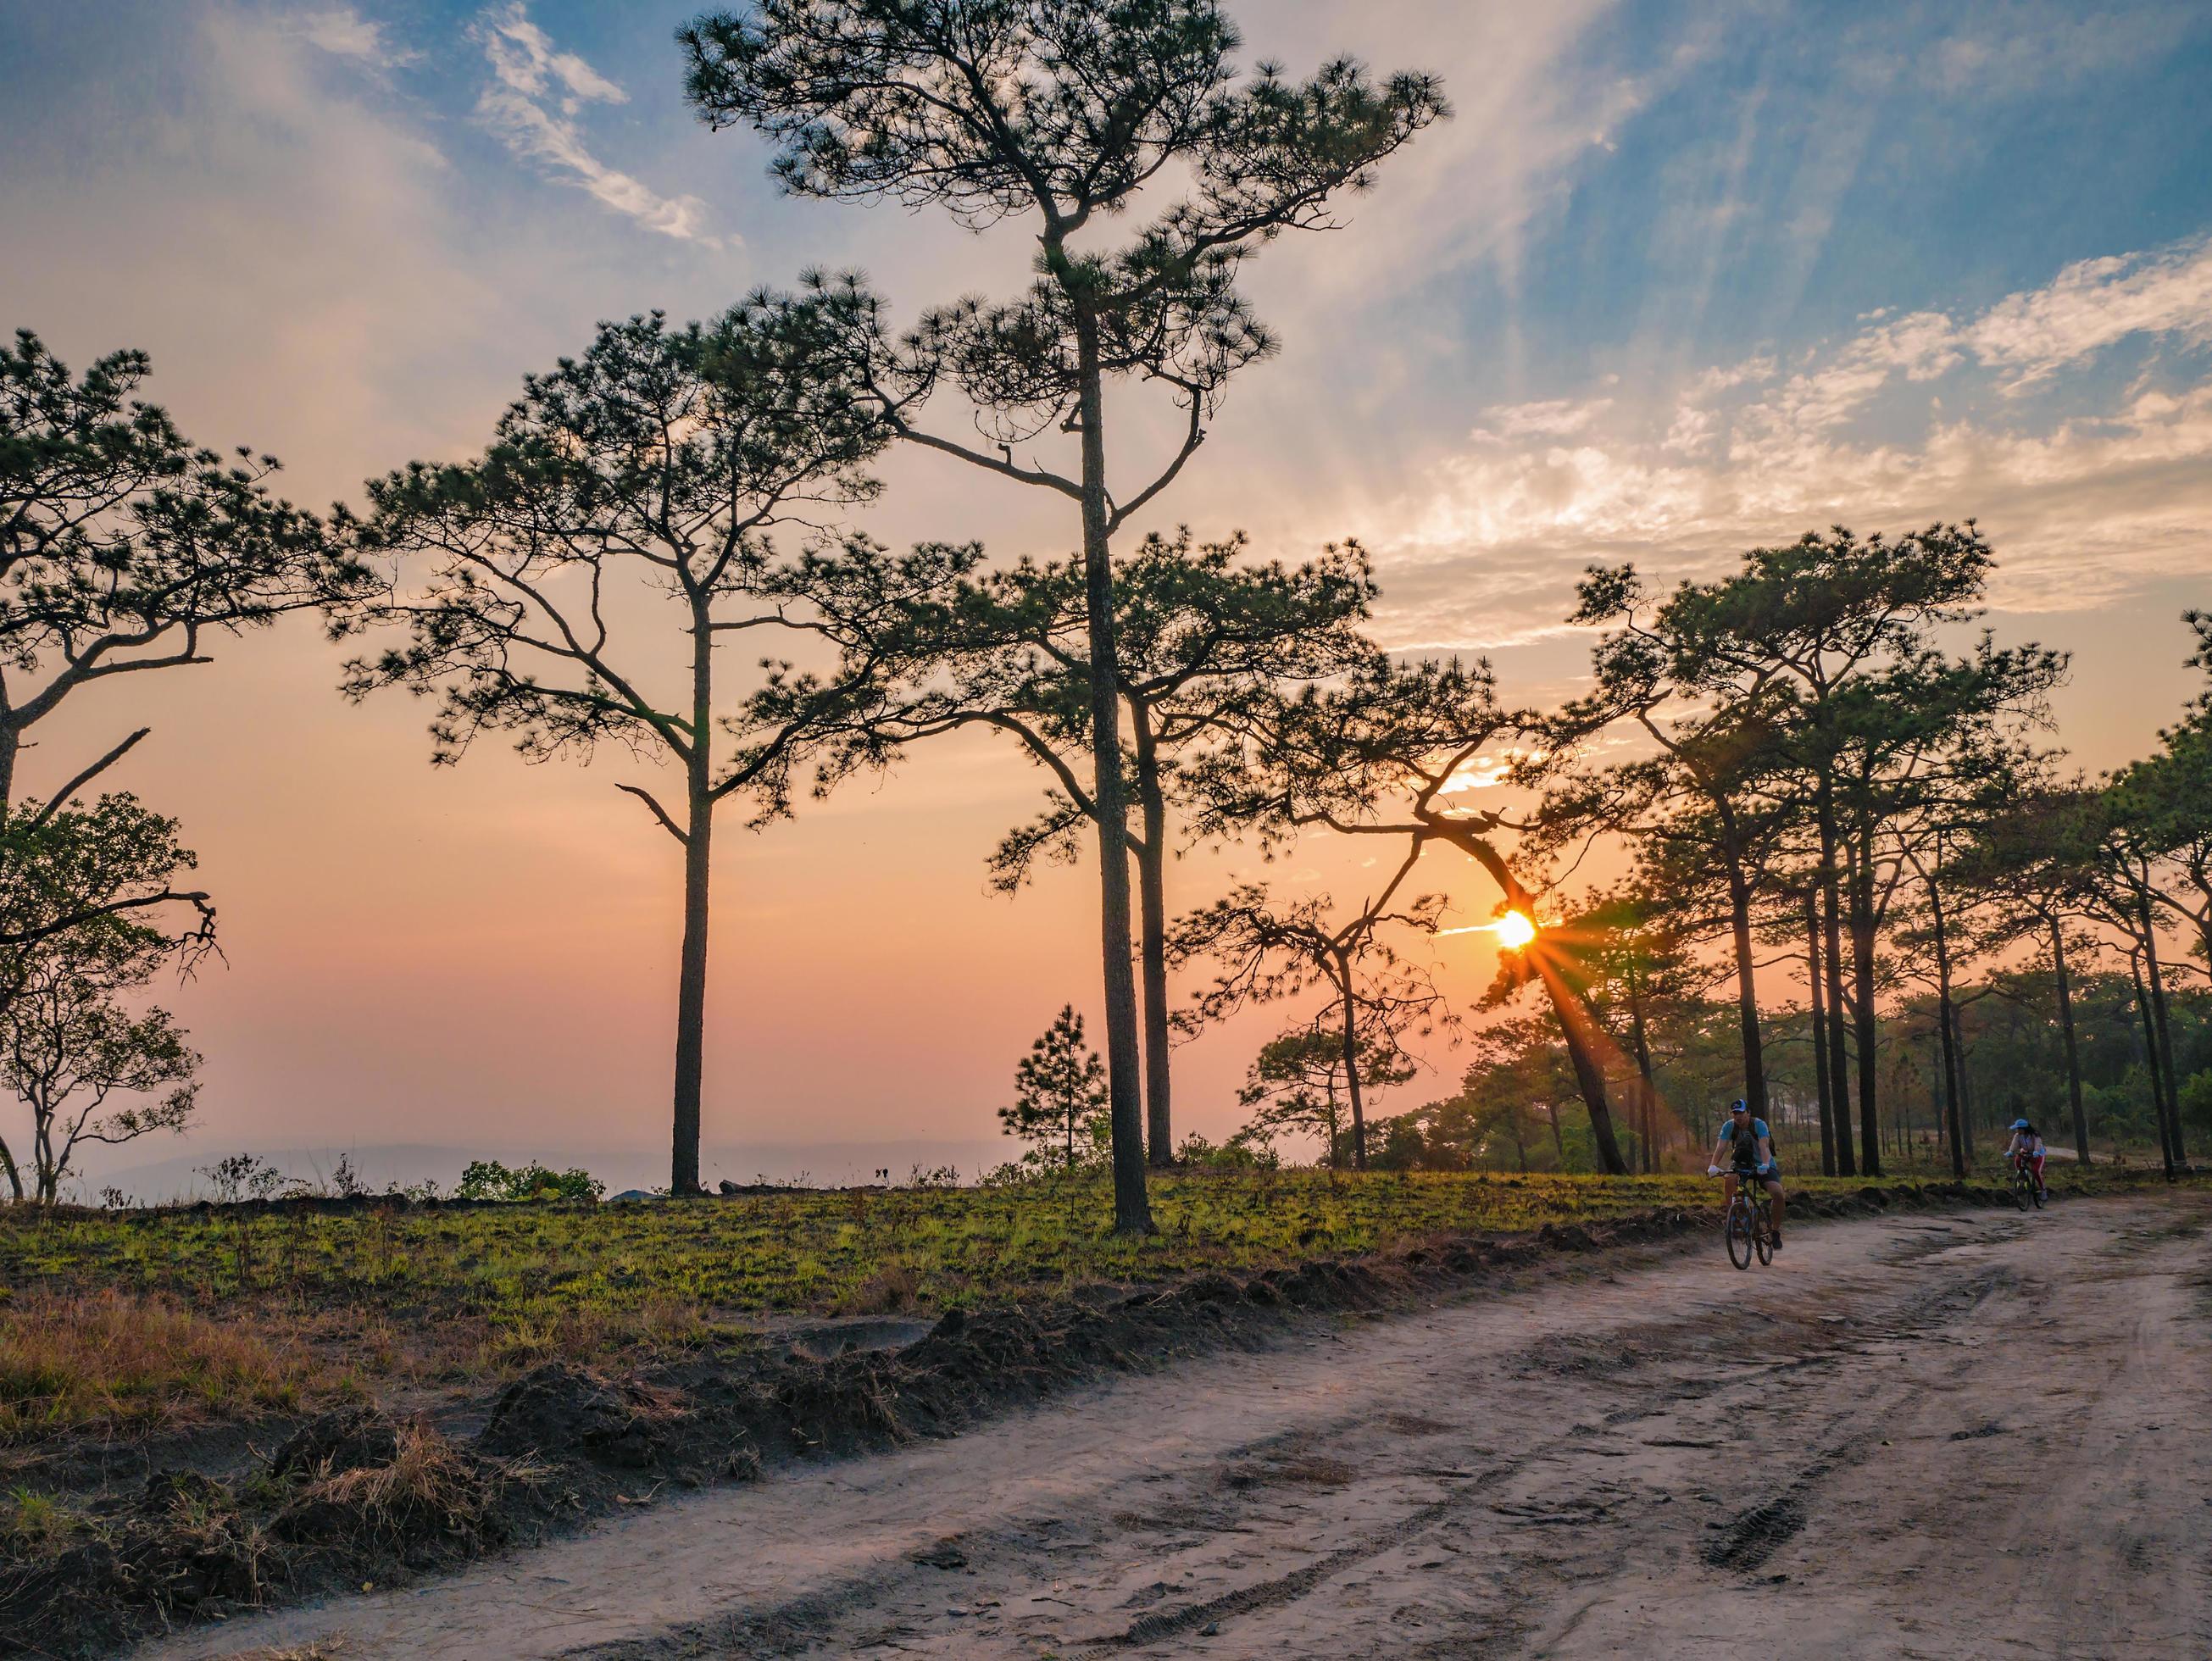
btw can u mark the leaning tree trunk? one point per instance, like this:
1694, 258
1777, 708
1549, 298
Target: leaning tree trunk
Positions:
2073, 1053
1152, 901
691, 974
1133, 1211
1819, 1033
1867, 1033
1577, 1027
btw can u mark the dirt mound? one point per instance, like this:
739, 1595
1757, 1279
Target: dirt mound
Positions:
342, 1439
564, 1411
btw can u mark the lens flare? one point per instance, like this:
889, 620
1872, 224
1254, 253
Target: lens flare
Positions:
1513, 930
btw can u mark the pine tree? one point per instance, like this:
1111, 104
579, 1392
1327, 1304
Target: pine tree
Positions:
1060, 1097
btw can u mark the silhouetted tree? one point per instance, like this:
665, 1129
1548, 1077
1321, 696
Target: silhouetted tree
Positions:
2034, 859
70, 1047
1268, 952
1713, 733
1391, 750
1063, 113
1206, 635
124, 547
624, 507
1301, 1081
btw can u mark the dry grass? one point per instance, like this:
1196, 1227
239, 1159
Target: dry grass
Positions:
431, 1486
895, 1287
119, 1363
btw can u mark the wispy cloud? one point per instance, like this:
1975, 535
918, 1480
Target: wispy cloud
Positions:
344, 33
1557, 417
533, 102
2095, 304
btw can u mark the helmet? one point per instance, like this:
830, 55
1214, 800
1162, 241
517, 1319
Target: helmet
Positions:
2021, 1124
1739, 1106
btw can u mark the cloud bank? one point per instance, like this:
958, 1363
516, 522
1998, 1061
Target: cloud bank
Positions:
1915, 417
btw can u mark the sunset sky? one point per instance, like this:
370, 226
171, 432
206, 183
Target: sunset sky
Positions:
1677, 280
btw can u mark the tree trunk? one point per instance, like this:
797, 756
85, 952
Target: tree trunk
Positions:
1832, 1033
1152, 901
1559, 1143
1868, 1034
2073, 1054
1746, 988
1351, 1066
2164, 1031
1577, 1027
14, 1177
1951, 1117
692, 991
1132, 1212
1819, 1033
1580, 1030
1520, 1138
1647, 1093
2157, 1072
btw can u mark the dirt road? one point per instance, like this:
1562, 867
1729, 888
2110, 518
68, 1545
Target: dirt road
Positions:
1978, 1435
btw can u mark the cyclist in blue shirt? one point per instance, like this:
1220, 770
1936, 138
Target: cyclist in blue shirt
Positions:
1747, 1148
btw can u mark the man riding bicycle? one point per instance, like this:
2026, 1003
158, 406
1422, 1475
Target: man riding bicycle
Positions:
1747, 1147
2027, 1148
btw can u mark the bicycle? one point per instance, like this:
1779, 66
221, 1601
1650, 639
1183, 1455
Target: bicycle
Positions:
1749, 1230
2025, 1188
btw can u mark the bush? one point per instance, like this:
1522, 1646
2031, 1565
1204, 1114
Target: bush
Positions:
1238, 1154
2196, 1097
488, 1179
242, 1176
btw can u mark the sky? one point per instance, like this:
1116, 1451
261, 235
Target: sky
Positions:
1676, 281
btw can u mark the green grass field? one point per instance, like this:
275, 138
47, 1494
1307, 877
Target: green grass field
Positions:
141, 1321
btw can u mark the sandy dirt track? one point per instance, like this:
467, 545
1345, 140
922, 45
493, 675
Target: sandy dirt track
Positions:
1654, 1455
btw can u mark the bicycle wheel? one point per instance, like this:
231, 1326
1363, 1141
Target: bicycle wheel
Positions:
2020, 1192
2035, 1192
1738, 1230
1762, 1238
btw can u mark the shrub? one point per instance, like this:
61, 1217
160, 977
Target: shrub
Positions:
488, 1179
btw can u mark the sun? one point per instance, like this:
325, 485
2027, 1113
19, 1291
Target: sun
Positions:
1515, 930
